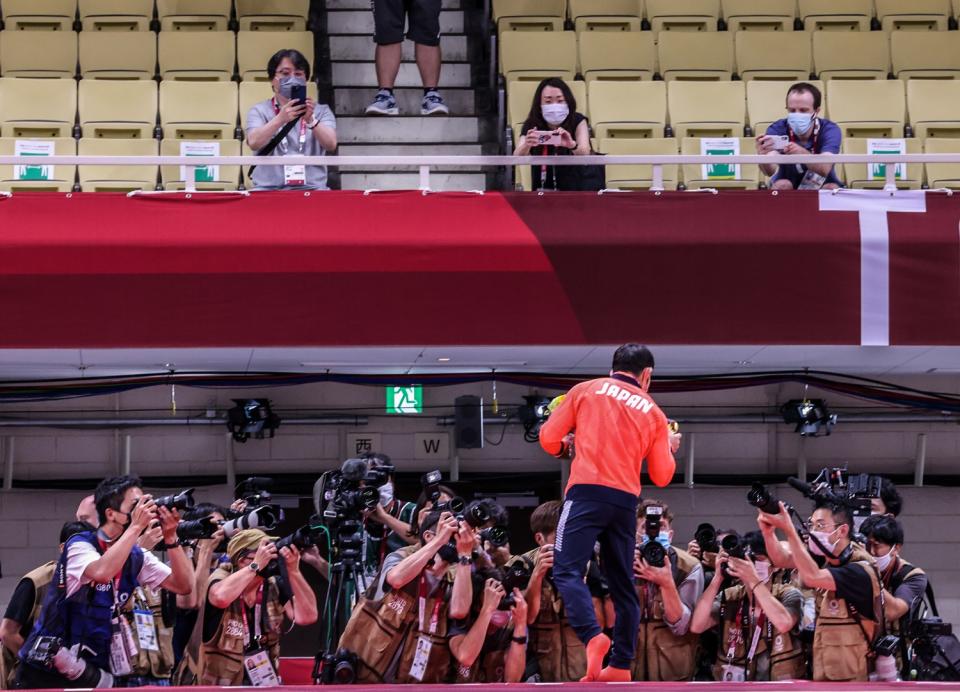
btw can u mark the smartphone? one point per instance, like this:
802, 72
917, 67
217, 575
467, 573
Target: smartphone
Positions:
547, 137
298, 93
778, 142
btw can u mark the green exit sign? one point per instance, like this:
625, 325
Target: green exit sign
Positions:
405, 399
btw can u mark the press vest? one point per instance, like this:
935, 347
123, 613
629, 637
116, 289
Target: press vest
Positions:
41, 578
903, 571
661, 656
157, 664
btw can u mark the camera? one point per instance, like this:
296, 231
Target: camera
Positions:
706, 538
379, 475
887, 645
340, 497
298, 93
339, 668
515, 576
498, 536
652, 552
761, 498
430, 482
50, 653
265, 517
475, 514
303, 538
928, 627
182, 500
836, 486
455, 506
734, 546
195, 529
254, 491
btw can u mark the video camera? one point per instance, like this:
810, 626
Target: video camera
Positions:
652, 552
836, 486
377, 476
339, 497
182, 500
515, 576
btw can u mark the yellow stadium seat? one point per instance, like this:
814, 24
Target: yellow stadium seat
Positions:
606, 15
255, 48
111, 109
627, 110
52, 15
226, 178
529, 15
116, 15
925, 54
687, 55
836, 15
254, 92
774, 55
197, 55
934, 108
118, 54
942, 175
60, 178
683, 15
750, 15
273, 15
767, 103
194, 15
534, 56
856, 174
37, 107
626, 55
198, 110
693, 174
639, 177
923, 15
38, 54
706, 109
955, 5
520, 99
117, 177
867, 108
854, 55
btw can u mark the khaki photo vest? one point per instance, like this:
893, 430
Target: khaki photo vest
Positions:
41, 578
157, 664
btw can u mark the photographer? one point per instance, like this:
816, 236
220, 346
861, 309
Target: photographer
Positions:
668, 593
890, 501
758, 614
243, 615
388, 524
80, 636
494, 647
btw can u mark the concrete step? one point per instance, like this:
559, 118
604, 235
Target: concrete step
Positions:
361, 48
361, 22
439, 182
435, 129
353, 101
455, 74
365, 4
410, 150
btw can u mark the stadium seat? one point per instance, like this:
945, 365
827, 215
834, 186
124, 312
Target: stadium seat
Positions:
38, 53
627, 110
37, 107
683, 15
606, 15
854, 55
273, 15
774, 55
194, 15
941, 175
693, 174
117, 177
53, 15
198, 110
118, 54
706, 109
925, 54
520, 98
639, 177
923, 15
687, 55
856, 174
749, 15
254, 49
767, 101
625, 55
254, 92
934, 108
867, 108
61, 177
534, 56
111, 109
529, 15
226, 177
196, 55
836, 15
116, 15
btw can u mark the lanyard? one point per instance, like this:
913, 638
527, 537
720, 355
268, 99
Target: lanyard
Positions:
740, 630
255, 627
302, 139
813, 149
543, 170
435, 617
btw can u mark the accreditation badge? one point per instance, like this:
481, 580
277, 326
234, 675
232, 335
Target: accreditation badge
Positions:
259, 669
420, 659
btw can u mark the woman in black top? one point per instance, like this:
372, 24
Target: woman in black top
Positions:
554, 110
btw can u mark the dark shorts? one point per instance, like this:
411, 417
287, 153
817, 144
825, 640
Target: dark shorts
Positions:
389, 17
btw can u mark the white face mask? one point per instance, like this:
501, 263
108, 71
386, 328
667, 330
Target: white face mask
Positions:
555, 113
884, 561
386, 494
823, 537
762, 568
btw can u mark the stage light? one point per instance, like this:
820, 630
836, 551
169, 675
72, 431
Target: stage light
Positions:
811, 417
252, 417
532, 414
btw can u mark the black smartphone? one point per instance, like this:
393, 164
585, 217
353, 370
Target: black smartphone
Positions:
298, 93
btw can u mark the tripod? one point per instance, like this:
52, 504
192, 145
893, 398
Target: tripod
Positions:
346, 581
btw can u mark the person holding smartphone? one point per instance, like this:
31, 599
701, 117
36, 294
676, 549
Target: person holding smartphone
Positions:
803, 131
310, 127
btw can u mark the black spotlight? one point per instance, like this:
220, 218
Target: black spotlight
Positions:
811, 417
252, 417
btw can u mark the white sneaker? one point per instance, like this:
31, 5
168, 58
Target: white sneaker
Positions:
432, 104
384, 104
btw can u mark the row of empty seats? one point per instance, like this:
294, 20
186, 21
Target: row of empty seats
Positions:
722, 55
211, 55
170, 15
706, 15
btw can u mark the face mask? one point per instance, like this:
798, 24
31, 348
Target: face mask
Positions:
663, 538
287, 84
799, 122
762, 569
823, 537
554, 113
884, 561
386, 494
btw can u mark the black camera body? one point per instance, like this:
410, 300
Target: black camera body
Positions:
497, 536
887, 645
182, 500
338, 668
379, 476
652, 552
515, 576
48, 652
344, 500
475, 514
303, 538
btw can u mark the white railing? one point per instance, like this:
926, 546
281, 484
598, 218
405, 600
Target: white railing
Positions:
424, 163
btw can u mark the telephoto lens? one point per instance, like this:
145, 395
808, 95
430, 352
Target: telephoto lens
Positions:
194, 529
476, 515
706, 538
763, 499
456, 506
182, 500
498, 536
265, 517
653, 553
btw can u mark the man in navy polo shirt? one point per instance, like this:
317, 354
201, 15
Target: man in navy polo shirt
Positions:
807, 133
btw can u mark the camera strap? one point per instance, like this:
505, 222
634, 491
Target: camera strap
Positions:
280, 136
878, 606
254, 621
435, 616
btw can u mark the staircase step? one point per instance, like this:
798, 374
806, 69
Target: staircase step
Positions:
361, 48
439, 182
435, 129
353, 101
365, 4
455, 74
410, 150
361, 22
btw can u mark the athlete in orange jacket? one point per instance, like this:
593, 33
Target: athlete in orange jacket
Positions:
617, 426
